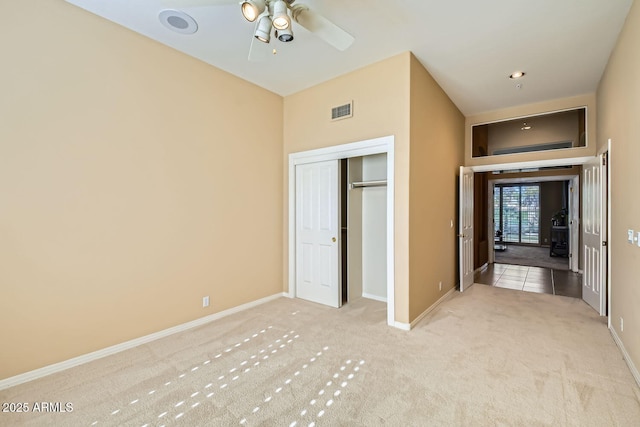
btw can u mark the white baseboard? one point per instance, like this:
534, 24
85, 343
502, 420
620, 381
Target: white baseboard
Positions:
430, 309
374, 297
89, 357
482, 267
402, 325
409, 326
625, 355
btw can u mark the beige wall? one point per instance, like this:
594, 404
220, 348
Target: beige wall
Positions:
380, 94
618, 112
130, 187
397, 97
437, 135
531, 109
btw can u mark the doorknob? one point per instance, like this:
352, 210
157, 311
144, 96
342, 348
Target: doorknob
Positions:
461, 235
333, 239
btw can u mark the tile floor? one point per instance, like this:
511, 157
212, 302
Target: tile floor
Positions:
531, 279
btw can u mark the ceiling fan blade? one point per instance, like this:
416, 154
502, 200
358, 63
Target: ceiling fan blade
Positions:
258, 51
322, 27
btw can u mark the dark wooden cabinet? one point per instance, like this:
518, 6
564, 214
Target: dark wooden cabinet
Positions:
559, 241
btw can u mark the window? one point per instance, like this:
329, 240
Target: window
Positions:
516, 212
550, 131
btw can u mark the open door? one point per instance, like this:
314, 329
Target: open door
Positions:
574, 223
594, 234
318, 269
491, 223
465, 230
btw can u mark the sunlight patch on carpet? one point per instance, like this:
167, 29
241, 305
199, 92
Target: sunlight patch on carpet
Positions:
331, 391
281, 343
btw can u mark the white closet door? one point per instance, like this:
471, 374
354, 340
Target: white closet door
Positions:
318, 232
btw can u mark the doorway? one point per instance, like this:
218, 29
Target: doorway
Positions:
531, 216
365, 231
600, 211
384, 145
534, 219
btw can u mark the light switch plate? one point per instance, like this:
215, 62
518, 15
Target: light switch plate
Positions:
630, 236
638, 239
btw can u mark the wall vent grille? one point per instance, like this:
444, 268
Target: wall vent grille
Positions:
342, 111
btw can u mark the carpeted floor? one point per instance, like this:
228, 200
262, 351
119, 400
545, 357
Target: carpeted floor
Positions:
489, 356
533, 256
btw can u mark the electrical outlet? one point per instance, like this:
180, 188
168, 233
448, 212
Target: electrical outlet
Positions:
440, 286
205, 301
621, 324
630, 236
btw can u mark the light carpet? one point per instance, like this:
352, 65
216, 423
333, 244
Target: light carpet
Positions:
489, 356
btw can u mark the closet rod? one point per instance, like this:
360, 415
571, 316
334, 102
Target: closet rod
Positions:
362, 184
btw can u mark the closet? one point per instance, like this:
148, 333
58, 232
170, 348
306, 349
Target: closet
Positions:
364, 212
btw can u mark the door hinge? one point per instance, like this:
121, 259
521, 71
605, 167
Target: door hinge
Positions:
604, 243
604, 160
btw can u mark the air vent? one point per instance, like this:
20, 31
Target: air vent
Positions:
342, 111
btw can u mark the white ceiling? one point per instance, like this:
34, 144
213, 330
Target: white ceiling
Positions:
469, 46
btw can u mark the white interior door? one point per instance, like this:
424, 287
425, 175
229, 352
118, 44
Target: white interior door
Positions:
318, 232
465, 231
491, 223
594, 235
574, 223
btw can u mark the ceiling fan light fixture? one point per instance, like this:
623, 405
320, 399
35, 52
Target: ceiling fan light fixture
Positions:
251, 9
281, 20
285, 35
263, 29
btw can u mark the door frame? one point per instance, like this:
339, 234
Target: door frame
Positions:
568, 162
577, 161
574, 231
338, 152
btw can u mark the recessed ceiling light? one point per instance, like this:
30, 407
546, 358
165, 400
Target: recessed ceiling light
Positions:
517, 75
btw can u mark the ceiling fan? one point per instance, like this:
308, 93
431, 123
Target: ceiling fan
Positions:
275, 17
